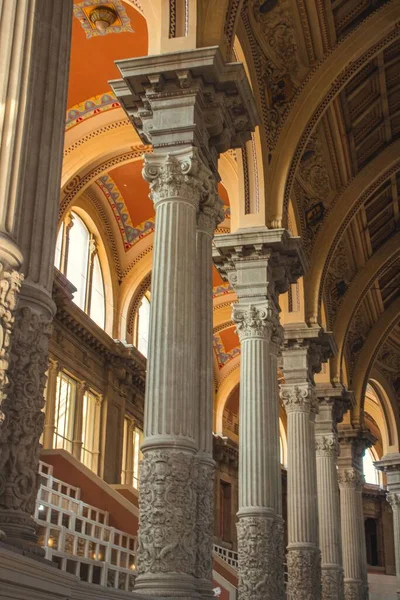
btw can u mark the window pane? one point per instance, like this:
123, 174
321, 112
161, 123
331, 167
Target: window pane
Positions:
78, 257
65, 412
143, 325
57, 257
97, 303
370, 473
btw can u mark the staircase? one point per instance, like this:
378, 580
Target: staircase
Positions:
77, 537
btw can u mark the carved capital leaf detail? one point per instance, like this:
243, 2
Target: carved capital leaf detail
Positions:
350, 477
253, 321
394, 500
327, 445
298, 398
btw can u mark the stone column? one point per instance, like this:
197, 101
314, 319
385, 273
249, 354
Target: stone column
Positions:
260, 264
51, 399
353, 444
191, 106
332, 403
210, 215
78, 421
38, 135
129, 454
305, 348
390, 464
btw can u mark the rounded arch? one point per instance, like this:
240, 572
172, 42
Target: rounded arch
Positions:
315, 95
369, 352
359, 287
389, 404
139, 270
222, 395
359, 190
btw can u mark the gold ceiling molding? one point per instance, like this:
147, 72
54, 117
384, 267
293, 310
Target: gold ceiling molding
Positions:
369, 352
359, 287
355, 194
316, 93
94, 134
136, 300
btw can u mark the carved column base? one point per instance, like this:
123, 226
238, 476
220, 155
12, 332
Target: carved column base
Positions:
332, 582
354, 589
205, 524
261, 550
167, 522
19, 531
304, 572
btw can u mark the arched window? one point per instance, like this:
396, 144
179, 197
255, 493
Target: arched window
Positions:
142, 325
370, 473
76, 256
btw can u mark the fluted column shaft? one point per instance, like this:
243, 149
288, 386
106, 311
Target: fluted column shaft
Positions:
168, 477
331, 409
305, 348
259, 263
303, 554
40, 54
260, 524
353, 444
51, 393
211, 213
394, 501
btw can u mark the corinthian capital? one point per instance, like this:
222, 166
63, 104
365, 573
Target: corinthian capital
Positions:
211, 212
298, 398
253, 321
176, 176
394, 500
350, 477
327, 446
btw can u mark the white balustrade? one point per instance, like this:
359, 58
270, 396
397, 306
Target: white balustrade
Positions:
229, 556
77, 537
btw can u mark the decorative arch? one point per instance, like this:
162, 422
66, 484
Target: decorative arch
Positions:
368, 354
316, 93
223, 392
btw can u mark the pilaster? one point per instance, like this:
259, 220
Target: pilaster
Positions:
260, 264
50, 416
191, 107
305, 349
353, 443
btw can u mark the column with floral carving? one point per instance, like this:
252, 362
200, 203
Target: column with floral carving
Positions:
259, 264
331, 405
305, 348
390, 464
353, 444
38, 137
210, 215
171, 101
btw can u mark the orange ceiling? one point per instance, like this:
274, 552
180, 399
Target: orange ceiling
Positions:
135, 191
223, 194
229, 338
217, 279
92, 60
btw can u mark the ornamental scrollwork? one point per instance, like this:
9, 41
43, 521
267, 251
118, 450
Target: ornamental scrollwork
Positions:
332, 583
261, 557
327, 445
167, 509
350, 477
394, 500
23, 418
171, 176
304, 574
354, 590
298, 398
10, 285
255, 321
205, 520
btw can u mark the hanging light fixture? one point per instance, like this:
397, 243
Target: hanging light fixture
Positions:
103, 17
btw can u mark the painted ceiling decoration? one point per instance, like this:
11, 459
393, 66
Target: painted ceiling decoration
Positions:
91, 107
100, 18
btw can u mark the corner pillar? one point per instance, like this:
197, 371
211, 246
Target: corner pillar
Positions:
260, 264
390, 464
51, 393
191, 107
332, 403
38, 58
305, 349
353, 443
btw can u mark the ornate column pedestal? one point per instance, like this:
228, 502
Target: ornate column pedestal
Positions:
332, 403
38, 58
353, 444
260, 264
390, 464
304, 350
171, 99
210, 215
